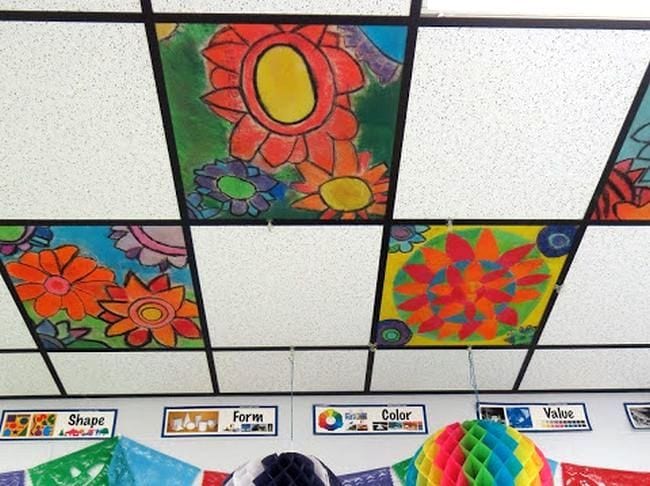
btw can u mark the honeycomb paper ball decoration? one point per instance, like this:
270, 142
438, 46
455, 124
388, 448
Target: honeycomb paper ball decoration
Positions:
285, 469
481, 453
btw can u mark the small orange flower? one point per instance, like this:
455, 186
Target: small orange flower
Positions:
353, 189
141, 310
59, 279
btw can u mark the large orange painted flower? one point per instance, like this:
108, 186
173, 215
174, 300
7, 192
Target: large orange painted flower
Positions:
286, 88
60, 279
353, 190
155, 309
465, 290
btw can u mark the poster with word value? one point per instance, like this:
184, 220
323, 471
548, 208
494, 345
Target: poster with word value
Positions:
537, 417
220, 421
369, 419
57, 424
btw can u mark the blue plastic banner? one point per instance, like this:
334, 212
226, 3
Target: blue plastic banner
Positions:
376, 477
134, 464
15, 478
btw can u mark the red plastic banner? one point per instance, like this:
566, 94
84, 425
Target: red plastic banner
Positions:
213, 478
574, 475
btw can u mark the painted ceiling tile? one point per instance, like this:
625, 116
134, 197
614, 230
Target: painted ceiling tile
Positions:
360, 7
626, 194
283, 121
473, 285
102, 287
81, 134
514, 123
13, 331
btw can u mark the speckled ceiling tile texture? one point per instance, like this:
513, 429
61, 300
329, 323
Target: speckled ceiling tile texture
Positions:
72, 5
80, 129
360, 7
514, 123
25, 374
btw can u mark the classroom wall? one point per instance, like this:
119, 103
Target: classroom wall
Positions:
612, 443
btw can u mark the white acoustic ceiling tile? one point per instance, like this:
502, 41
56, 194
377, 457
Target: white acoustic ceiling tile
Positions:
13, 331
270, 371
133, 372
288, 286
430, 370
80, 129
587, 368
73, 5
514, 123
24, 374
604, 299
359, 7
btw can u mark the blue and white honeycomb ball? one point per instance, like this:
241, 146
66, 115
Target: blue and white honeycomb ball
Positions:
285, 469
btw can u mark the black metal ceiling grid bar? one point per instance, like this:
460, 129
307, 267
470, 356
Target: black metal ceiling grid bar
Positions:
618, 144
156, 62
398, 141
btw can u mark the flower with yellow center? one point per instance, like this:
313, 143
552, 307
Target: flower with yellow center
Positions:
353, 189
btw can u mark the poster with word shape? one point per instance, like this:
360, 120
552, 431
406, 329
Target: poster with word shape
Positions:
57, 424
537, 417
220, 421
369, 419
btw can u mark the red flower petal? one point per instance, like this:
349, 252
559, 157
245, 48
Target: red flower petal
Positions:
494, 275
73, 306
431, 324
117, 293
508, 316
228, 98
532, 279
227, 34
342, 124
314, 33
138, 337
222, 78
496, 296
299, 153
186, 328
330, 39
515, 255
454, 277
160, 283
109, 317
321, 149
47, 305
29, 291
246, 138
414, 304
466, 330
348, 76
277, 148
251, 33
49, 263
419, 273
458, 249
470, 311
227, 55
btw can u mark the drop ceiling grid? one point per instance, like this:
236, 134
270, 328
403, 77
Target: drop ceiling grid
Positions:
358, 246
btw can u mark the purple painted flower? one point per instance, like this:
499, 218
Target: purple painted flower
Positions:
22, 238
404, 236
242, 189
152, 245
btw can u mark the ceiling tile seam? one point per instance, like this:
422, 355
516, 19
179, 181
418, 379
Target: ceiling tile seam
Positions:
165, 113
620, 139
548, 391
533, 23
6, 279
398, 142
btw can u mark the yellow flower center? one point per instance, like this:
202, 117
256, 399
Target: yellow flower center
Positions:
346, 194
150, 313
284, 85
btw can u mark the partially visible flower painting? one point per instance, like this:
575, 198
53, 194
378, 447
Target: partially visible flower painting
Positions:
283, 121
470, 285
94, 287
626, 194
